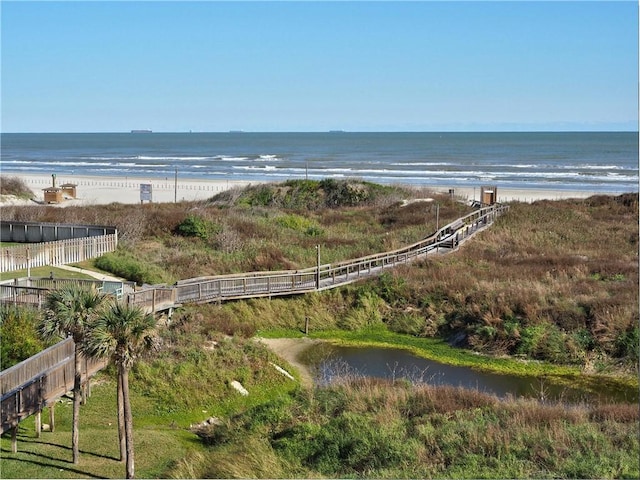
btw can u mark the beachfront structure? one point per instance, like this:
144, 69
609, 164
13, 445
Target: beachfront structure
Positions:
52, 195
488, 195
69, 190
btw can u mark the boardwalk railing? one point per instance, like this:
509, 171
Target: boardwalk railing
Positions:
40, 380
34, 291
32, 255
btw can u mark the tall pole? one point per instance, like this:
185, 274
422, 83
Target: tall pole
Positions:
318, 267
175, 187
437, 227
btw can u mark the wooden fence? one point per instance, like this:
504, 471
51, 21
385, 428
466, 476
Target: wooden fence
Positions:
38, 232
32, 255
39, 381
33, 291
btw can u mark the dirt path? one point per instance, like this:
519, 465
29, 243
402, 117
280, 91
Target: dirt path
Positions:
289, 349
91, 273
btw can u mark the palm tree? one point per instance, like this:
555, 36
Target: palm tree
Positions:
69, 312
122, 333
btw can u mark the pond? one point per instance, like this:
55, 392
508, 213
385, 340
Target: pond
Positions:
329, 363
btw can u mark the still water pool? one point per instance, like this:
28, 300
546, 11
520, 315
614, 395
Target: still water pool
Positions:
329, 363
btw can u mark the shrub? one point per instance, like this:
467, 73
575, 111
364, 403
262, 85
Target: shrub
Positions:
295, 222
628, 345
348, 444
411, 323
366, 312
543, 342
392, 289
123, 264
15, 186
19, 337
194, 226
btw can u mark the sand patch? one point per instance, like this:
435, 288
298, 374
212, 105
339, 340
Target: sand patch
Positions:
289, 349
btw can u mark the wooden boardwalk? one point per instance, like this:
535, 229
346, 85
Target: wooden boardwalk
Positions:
221, 288
39, 381
35, 383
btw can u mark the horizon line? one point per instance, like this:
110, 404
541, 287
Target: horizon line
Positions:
337, 132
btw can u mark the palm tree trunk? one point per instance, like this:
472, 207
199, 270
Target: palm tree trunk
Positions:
77, 397
121, 432
128, 420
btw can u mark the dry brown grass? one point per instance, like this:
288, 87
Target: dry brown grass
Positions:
15, 186
568, 267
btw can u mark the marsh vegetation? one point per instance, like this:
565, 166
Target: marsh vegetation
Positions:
552, 288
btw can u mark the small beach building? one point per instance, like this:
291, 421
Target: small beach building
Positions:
69, 189
52, 195
488, 195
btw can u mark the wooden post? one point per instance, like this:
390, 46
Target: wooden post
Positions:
318, 267
306, 325
38, 423
52, 418
14, 439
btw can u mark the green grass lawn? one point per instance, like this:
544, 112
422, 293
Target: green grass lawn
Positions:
157, 447
45, 272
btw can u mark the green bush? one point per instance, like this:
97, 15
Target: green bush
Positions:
194, 226
19, 337
310, 194
259, 196
295, 222
393, 289
348, 444
543, 342
628, 345
365, 312
125, 265
411, 323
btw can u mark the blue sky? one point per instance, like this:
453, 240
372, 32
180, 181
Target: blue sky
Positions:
317, 66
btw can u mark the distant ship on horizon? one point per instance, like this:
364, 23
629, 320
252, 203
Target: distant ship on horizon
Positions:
141, 131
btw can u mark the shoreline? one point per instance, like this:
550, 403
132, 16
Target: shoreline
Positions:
290, 348
103, 190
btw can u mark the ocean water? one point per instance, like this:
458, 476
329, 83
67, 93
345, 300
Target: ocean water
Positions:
598, 162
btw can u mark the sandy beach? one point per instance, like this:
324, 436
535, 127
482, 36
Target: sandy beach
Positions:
98, 190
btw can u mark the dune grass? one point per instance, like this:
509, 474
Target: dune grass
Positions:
552, 285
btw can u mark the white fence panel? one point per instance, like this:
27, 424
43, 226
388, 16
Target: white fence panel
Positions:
22, 257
